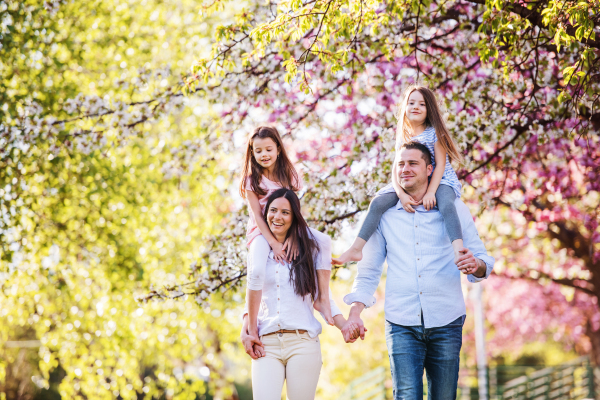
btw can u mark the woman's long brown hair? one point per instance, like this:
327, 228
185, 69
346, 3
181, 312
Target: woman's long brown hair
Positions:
303, 274
284, 172
404, 133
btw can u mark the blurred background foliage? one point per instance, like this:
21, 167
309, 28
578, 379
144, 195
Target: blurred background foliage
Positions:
100, 228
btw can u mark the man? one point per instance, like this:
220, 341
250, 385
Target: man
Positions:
424, 305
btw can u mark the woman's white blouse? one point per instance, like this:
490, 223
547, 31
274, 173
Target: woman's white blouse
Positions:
280, 307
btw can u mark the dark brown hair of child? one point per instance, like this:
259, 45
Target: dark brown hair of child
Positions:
284, 171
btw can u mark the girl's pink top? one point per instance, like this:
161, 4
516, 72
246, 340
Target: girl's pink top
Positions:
269, 186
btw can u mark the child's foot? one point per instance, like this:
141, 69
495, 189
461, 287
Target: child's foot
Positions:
323, 306
349, 255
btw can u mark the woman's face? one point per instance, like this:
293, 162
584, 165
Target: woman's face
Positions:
265, 152
280, 217
416, 110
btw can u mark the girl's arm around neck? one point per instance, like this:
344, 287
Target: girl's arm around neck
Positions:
395, 182
256, 210
440, 166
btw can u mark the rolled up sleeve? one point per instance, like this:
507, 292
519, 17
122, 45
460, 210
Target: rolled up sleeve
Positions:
473, 242
369, 271
258, 255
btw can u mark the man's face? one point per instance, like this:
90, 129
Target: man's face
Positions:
412, 170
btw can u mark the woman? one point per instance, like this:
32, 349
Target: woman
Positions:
280, 331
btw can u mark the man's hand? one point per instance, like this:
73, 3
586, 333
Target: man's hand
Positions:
351, 332
252, 345
354, 326
468, 264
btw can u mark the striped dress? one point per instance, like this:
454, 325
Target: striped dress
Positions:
428, 138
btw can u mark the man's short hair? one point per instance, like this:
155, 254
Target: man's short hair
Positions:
421, 147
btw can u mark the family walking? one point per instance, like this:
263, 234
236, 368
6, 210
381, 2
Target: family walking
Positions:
417, 223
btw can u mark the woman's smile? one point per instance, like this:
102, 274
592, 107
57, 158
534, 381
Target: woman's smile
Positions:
279, 217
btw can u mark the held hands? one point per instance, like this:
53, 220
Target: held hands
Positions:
353, 329
468, 264
408, 202
429, 201
252, 345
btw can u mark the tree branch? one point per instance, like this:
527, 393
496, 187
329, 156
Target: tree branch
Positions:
536, 19
565, 282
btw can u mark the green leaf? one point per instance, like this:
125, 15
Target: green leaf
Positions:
579, 33
564, 96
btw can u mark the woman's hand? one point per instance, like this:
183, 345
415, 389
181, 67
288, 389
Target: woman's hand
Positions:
408, 202
429, 201
278, 252
291, 249
252, 345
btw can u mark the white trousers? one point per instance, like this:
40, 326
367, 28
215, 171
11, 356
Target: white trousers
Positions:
291, 357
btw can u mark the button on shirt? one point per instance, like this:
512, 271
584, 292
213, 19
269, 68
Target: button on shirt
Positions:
280, 307
421, 275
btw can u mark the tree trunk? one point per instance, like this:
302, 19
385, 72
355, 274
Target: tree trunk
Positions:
594, 337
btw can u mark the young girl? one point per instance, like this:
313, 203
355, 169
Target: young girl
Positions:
419, 120
266, 169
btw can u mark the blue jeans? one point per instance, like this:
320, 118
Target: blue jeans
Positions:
414, 348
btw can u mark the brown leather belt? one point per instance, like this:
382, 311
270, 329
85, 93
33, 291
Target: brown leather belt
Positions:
287, 331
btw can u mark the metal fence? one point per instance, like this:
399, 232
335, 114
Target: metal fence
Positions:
370, 386
574, 380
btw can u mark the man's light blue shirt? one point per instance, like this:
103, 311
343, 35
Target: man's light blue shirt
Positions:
421, 272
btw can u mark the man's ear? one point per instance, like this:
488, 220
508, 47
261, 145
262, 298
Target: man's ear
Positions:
429, 170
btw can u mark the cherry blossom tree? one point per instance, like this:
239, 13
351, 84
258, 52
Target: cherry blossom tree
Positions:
519, 83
